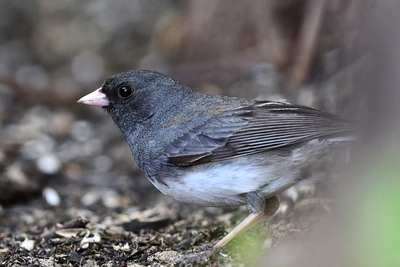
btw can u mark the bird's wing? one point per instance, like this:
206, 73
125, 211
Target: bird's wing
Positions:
256, 128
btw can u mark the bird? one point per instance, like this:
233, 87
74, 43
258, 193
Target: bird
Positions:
213, 150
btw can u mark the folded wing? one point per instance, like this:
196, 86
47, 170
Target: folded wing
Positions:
260, 127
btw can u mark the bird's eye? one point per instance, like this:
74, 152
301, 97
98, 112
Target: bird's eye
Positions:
125, 91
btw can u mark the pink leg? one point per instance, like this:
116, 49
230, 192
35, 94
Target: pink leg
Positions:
271, 205
246, 224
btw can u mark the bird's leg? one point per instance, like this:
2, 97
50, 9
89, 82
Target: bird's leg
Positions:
247, 223
259, 208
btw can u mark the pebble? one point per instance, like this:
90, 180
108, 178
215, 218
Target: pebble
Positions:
15, 174
51, 196
96, 238
90, 198
111, 199
28, 244
48, 164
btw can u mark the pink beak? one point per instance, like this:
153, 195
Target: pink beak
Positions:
96, 98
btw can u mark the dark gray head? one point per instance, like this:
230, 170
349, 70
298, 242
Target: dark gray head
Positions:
139, 94
135, 96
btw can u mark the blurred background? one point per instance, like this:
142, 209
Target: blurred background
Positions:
59, 159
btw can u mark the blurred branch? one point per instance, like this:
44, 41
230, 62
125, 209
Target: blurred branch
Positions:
307, 41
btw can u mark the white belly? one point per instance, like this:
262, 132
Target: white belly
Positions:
224, 183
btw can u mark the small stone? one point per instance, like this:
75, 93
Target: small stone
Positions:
15, 174
124, 247
48, 164
51, 196
111, 199
28, 244
96, 238
90, 198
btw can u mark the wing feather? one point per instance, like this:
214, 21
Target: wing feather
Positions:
252, 129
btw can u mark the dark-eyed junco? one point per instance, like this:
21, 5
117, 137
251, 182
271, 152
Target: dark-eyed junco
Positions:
216, 150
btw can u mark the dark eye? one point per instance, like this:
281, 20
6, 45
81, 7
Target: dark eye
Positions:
125, 91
